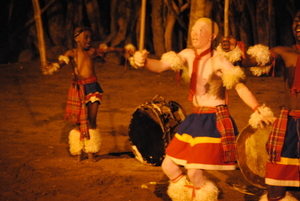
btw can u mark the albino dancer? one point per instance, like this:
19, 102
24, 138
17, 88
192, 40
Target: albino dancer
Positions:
206, 138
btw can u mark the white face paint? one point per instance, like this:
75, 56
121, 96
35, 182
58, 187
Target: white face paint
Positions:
201, 34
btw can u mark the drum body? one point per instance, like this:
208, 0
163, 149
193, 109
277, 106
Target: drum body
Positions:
251, 147
152, 127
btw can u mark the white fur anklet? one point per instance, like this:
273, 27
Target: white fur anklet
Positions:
94, 143
208, 192
76, 145
258, 114
178, 191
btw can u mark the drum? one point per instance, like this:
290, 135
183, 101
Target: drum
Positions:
251, 147
152, 127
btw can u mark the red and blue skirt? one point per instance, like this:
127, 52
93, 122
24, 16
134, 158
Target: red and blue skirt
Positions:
197, 143
284, 169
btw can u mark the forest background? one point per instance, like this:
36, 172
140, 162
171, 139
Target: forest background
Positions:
116, 23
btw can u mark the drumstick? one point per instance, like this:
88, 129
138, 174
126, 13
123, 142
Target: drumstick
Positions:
142, 25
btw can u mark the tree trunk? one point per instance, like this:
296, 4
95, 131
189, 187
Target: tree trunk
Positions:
92, 9
113, 21
262, 22
40, 32
123, 10
169, 30
252, 12
131, 36
73, 19
55, 23
157, 27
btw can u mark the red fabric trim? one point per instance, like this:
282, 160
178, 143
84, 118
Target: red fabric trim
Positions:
204, 110
177, 178
282, 172
273, 64
241, 45
194, 76
256, 108
276, 138
194, 189
296, 84
225, 127
295, 114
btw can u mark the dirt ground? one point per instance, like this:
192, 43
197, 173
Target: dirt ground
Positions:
34, 157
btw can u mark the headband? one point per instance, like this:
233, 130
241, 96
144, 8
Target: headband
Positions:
77, 33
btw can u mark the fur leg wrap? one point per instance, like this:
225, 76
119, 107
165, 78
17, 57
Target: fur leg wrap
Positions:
94, 143
178, 191
288, 197
76, 145
207, 192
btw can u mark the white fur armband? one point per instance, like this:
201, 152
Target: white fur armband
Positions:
232, 56
49, 71
64, 58
258, 115
174, 59
260, 53
258, 71
232, 77
130, 48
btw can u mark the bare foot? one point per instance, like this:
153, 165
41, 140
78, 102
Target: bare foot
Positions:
79, 157
91, 157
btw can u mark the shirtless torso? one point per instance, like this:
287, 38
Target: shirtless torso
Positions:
209, 88
289, 56
82, 62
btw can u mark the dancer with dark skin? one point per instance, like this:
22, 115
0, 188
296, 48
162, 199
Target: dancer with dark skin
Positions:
83, 111
81, 59
287, 157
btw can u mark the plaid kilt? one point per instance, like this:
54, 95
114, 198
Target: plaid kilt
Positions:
76, 111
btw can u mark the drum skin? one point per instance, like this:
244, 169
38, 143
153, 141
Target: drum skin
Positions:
152, 127
252, 154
